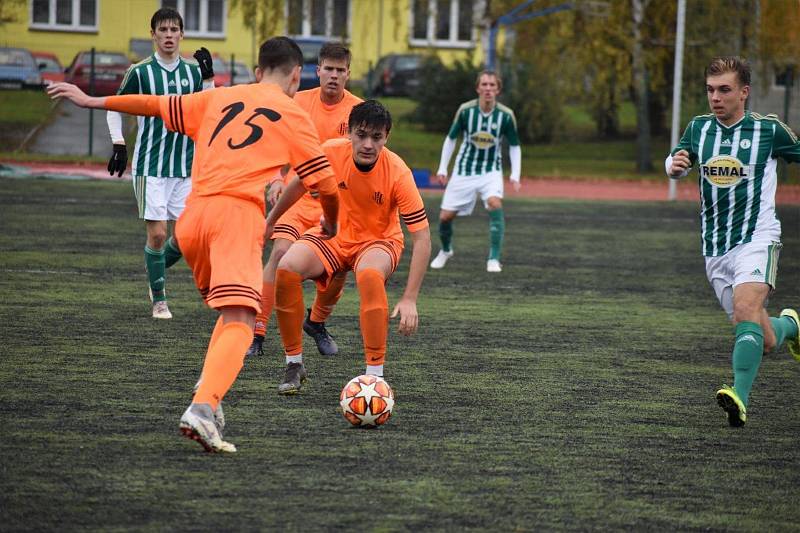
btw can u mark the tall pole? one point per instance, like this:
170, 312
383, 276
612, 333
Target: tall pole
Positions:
677, 87
91, 93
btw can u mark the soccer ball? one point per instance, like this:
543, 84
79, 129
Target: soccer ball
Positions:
367, 401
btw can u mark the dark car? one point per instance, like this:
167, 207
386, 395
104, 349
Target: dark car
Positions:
395, 75
310, 48
109, 71
18, 69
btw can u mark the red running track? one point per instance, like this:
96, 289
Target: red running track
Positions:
535, 187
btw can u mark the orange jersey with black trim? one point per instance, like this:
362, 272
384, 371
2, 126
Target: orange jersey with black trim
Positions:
330, 120
372, 203
242, 136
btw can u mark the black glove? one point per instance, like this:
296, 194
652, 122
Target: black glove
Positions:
203, 57
119, 160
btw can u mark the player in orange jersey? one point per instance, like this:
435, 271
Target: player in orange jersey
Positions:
376, 190
242, 135
329, 106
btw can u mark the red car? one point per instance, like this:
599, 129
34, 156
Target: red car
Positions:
109, 71
49, 66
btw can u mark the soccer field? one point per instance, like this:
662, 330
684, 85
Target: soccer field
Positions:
575, 390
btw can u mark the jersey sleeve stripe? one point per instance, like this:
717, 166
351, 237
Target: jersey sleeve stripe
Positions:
172, 112
413, 218
299, 168
180, 115
306, 173
409, 221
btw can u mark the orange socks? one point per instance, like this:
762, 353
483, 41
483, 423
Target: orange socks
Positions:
223, 362
374, 315
326, 300
289, 310
267, 303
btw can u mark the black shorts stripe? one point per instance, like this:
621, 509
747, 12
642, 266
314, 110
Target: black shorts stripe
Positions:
384, 245
285, 228
219, 295
320, 244
329, 255
320, 166
234, 290
314, 160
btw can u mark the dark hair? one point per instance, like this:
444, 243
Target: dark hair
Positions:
279, 53
370, 114
335, 52
724, 64
165, 14
489, 73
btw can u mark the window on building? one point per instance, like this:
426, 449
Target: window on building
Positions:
64, 15
318, 18
201, 18
443, 22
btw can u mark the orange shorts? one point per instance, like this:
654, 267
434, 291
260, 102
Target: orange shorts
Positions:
222, 238
301, 217
337, 256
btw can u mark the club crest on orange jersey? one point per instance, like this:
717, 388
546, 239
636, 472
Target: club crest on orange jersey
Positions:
378, 197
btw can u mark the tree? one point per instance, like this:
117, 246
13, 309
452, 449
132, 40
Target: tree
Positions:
265, 17
644, 161
10, 10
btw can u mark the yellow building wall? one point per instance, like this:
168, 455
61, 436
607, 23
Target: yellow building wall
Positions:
119, 21
381, 27
377, 28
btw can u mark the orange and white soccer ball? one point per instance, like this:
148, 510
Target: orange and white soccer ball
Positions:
367, 401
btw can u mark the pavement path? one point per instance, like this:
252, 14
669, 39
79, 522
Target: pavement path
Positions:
68, 132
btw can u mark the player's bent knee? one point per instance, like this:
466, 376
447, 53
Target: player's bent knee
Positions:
746, 312
238, 313
494, 203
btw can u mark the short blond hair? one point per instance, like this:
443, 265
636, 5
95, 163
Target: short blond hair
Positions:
725, 64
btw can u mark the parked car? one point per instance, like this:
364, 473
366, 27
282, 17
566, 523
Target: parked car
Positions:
49, 66
395, 75
222, 72
109, 71
18, 69
242, 74
310, 48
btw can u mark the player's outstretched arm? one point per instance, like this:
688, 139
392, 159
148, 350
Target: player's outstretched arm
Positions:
133, 104
75, 95
406, 308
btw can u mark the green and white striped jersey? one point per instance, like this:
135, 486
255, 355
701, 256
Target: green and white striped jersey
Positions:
737, 177
480, 150
159, 152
